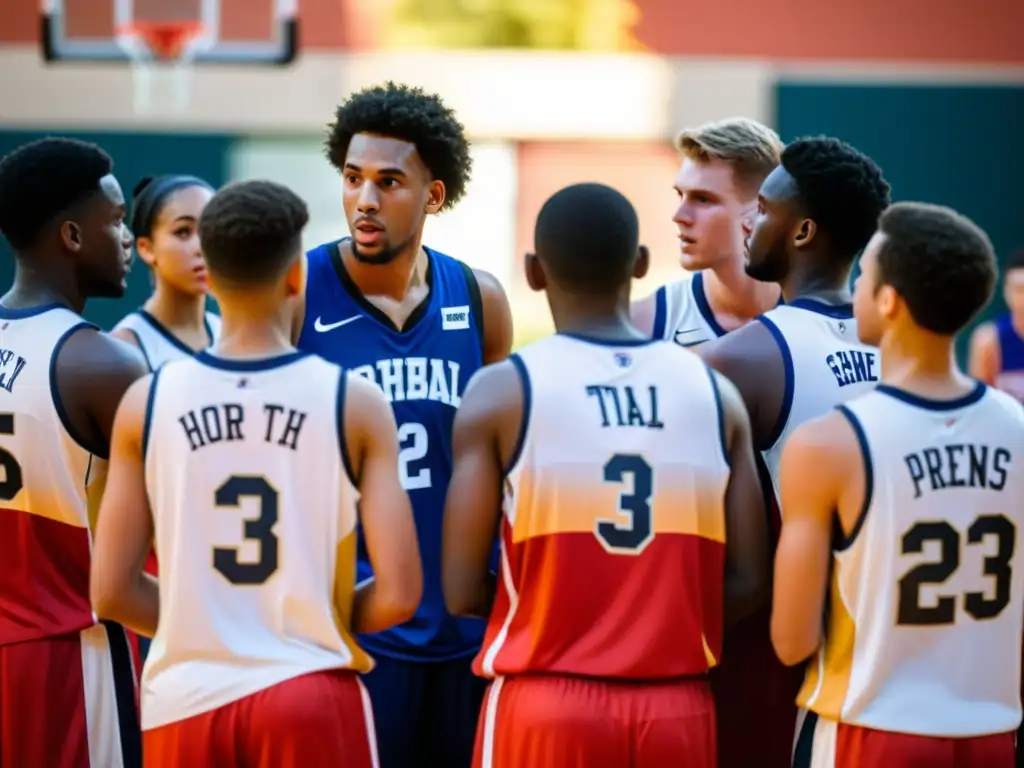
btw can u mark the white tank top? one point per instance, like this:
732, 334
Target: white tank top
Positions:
255, 522
157, 343
682, 313
51, 483
923, 631
825, 365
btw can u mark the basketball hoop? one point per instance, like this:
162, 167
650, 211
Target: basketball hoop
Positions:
161, 55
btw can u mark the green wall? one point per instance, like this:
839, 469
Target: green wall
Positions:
954, 145
135, 155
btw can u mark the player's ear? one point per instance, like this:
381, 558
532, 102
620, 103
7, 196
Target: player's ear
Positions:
295, 277
144, 247
435, 196
71, 236
535, 276
805, 233
642, 263
887, 301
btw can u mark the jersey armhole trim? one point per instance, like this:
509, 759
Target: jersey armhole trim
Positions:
85, 444
787, 392
844, 542
346, 458
524, 425
141, 346
147, 423
476, 302
660, 313
720, 407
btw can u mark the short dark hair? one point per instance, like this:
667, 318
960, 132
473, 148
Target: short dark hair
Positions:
587, 235
842, 189
409, 114
1015, 261
939, 261
250, 231
42, 179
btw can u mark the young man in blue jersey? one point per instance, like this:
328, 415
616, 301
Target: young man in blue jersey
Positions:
420, 324
997, 347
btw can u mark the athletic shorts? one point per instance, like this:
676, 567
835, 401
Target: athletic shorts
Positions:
824, 743
565, 722
70, 702
319, 719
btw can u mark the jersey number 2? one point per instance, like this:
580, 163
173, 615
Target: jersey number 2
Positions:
258, 529
12, 482
628, 538
976, 604
413, 441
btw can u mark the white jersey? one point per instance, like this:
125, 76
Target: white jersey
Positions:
255, 527
50, 476
156, 341
923, 631
682, 313
825, 365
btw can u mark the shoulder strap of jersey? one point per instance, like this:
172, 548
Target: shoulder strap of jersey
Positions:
476, 301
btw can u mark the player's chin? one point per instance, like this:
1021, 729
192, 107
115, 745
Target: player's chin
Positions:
693, 262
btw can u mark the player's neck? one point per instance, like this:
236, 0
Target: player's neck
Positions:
591, 316
32, 289
924, 364
804, 281
394, 279
730, 292
252, 331
177, 310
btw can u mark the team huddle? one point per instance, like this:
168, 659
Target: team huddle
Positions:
749, 521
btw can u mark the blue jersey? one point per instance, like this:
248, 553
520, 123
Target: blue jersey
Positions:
1011, 353
423, 369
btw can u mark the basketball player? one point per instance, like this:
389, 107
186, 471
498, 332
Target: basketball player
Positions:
419, 324
254, 456
723, 166
620, 474
997, 348
816, 212
901, 510
173, 323
67, 687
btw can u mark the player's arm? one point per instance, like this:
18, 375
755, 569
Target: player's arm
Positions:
750, 358
497, 318
747, 560
93, 371
385, 513
816, 466
983, 356
118, 587
642, 312
483, 440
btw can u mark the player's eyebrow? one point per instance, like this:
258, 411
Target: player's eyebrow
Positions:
186, 217
380, 171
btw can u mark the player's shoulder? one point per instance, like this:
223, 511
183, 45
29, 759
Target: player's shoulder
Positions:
89, 352
746, 347
1005, 405
833, 438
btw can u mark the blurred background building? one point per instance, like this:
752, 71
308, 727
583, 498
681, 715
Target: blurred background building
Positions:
553, 92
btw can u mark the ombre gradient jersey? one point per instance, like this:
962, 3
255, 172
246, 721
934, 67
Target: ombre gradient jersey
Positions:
613, 528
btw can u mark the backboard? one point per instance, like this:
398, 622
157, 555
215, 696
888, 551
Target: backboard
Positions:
226, 31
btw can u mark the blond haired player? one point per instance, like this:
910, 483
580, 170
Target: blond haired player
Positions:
253, 456
901, 515
723, 165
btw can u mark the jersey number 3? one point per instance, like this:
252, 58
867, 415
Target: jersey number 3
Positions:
976, 604
628, 538
258, 529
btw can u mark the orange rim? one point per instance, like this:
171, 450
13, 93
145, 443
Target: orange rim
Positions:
166, 39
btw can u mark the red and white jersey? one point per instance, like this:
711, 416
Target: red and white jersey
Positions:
50, 487
613, 531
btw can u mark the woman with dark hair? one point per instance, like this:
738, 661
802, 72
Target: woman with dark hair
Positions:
173, 322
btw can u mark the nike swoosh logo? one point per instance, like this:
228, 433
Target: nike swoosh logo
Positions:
322, 327
681, 343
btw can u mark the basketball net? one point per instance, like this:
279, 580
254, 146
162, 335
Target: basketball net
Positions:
162, 55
